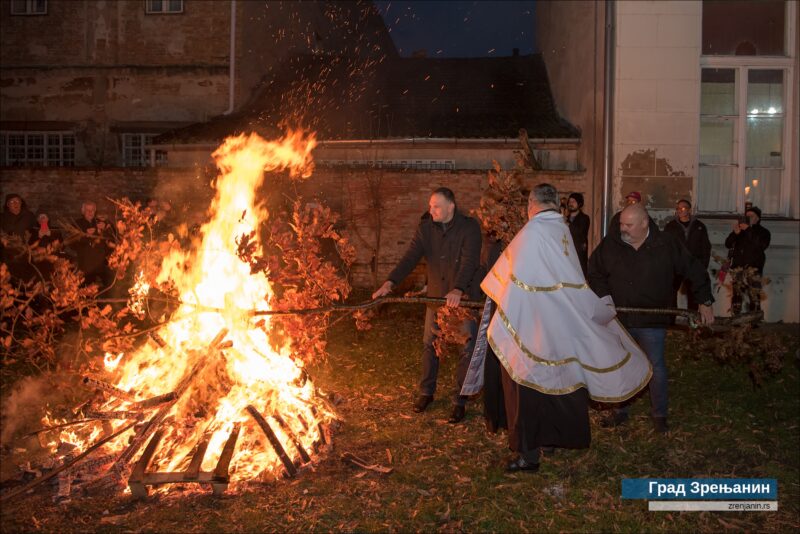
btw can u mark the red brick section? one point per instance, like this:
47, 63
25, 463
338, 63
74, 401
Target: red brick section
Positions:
401, 195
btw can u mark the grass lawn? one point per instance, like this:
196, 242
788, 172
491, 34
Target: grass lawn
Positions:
450, 477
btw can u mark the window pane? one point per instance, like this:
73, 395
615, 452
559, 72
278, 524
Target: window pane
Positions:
763, 189
718, 141
19, 7
40, 6
35, 151
764, 142
53, 155
16, 149
744, 27
175, 6
718, 92
155, 6
716, 189
68, 157
764, 92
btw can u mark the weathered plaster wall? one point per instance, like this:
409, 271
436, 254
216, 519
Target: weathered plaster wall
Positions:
656, 101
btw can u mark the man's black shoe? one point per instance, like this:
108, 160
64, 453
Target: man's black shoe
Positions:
660, 424
521, 465
457, 414
614, 419
422, 402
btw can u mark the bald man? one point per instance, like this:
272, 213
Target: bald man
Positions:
636, 267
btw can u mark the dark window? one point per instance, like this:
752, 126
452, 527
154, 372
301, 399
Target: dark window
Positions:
52, 149
164, 6
744, 28
28, 7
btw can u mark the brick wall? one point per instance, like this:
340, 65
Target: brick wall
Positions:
402, 195
93, 33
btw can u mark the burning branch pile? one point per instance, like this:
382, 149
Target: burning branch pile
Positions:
218, 394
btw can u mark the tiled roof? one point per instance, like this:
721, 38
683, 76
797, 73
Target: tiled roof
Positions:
397, 98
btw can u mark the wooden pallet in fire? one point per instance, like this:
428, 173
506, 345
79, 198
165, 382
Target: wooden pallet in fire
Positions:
140, 478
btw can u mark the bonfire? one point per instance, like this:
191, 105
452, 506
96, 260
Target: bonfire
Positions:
209, 398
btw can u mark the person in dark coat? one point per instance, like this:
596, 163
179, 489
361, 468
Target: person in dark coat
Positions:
692, 233
636, 267
17, 219
748, 243
16, 224
579, 228
92, 248
450, 242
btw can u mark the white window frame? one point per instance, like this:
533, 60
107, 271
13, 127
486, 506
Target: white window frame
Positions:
742, 64
30, 7
149, 155
148, 8
5, 146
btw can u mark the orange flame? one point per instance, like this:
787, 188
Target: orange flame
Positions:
218, 292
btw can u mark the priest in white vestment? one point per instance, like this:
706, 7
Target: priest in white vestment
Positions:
557, 343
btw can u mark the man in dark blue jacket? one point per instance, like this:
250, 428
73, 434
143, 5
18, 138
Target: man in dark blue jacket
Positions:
450, 242
636, 267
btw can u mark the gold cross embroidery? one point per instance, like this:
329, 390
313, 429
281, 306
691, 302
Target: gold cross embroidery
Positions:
566, 244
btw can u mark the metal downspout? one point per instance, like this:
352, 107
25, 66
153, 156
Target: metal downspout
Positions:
232, 62
608, 112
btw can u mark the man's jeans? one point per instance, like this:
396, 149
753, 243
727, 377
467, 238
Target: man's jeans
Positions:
651, 340
430, 362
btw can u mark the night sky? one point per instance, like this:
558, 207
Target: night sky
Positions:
460, 29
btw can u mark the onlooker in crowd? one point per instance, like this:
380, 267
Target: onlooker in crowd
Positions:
17, 218
634, 197
579, 228
748, 243
450, 242
45, 242
16, 225
92, 247
636, 267
690, 231
563, 207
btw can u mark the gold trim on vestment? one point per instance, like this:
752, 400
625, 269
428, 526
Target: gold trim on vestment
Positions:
539, 359
533, 289
564, 391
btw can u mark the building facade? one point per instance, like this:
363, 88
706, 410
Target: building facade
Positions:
91, 83
699, 101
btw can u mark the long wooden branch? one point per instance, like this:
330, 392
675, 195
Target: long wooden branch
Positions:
691, 314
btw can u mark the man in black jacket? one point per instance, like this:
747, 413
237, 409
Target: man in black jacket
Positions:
579, 228
450, 242
636, 267
690, 231
748, 240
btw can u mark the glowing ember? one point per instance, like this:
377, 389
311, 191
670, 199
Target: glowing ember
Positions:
218, 292
138, 292
110, 361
